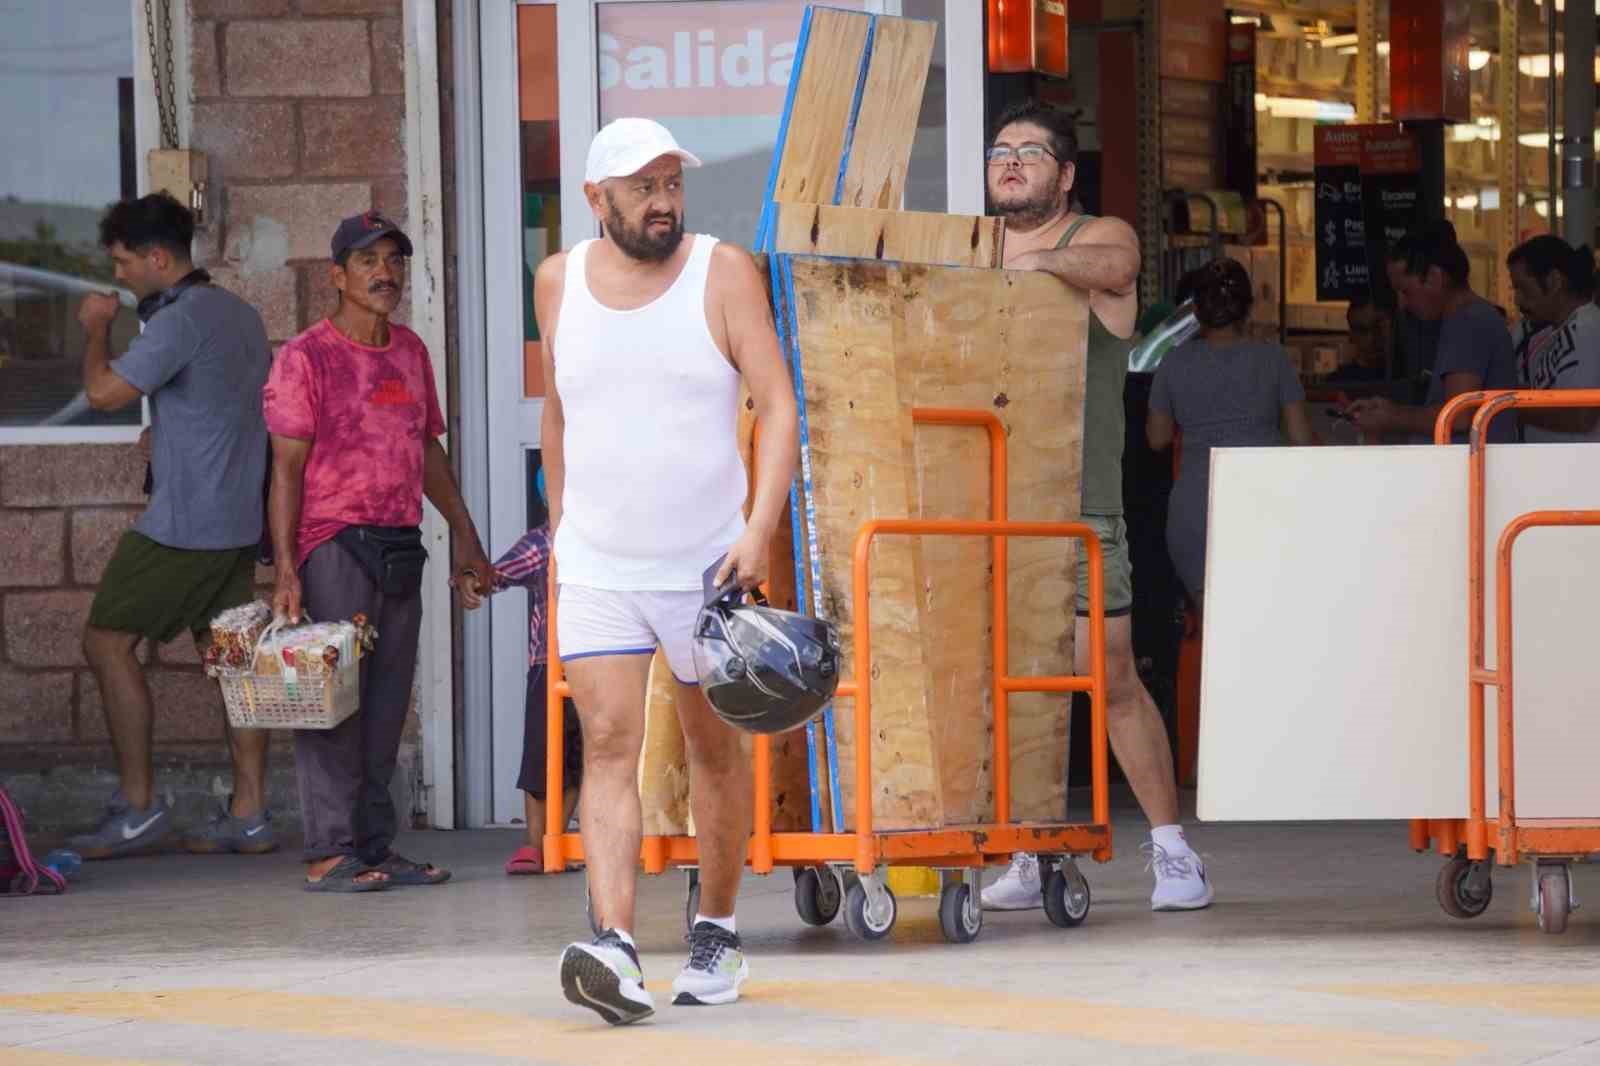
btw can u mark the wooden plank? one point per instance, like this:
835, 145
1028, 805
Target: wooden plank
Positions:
886, 124
818, 120
663, 764
1012, 343
859, 428
890, 236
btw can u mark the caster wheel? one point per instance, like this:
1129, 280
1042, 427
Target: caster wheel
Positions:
1066, 897
691, 905
1554, 901
817, 895
1463, 891
865, 921
960, 918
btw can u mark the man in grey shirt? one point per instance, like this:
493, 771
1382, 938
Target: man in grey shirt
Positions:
202, 360
1429, 272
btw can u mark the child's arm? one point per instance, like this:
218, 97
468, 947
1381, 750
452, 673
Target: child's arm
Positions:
526, 563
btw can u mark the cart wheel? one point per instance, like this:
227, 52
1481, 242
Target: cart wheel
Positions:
1461, 894
691, 904
1554, 902
817, 895
1067, 896
958, 918
865, 921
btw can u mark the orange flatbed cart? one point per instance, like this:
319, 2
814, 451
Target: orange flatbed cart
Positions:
847, 870
1464, 885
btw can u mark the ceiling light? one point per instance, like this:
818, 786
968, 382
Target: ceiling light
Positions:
1301, 107
1477, 59
1340, 40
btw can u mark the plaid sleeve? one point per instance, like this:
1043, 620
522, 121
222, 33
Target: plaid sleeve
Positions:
527, 561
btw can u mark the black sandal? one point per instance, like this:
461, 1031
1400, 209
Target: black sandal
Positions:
342, 878
403, 872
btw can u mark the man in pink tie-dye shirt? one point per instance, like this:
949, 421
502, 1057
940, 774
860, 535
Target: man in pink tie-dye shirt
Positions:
355, 422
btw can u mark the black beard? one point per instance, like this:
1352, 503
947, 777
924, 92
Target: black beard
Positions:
641, 244
1027, 215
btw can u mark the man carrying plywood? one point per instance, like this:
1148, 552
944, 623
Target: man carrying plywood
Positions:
1029, 176
647, 337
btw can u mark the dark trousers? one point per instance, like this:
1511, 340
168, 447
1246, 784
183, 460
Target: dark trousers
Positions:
345, 772
536, 739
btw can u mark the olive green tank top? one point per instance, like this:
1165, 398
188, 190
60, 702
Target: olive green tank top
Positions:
1104, 424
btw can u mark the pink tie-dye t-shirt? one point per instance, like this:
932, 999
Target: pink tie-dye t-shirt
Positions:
368, 413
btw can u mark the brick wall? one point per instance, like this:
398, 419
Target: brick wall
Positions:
300, 108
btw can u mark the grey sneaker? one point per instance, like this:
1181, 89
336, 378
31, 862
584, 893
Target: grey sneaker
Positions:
225, 833
124, 830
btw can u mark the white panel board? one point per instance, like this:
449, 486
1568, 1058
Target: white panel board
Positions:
1334, 675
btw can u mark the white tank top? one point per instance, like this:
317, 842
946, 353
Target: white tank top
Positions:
655, 487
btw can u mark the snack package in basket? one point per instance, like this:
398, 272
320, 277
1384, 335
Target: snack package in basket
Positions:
276, 675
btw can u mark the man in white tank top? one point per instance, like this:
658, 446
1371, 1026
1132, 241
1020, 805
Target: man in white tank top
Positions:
647, 336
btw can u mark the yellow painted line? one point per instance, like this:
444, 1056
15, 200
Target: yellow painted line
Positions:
1560, 1001
586, 1039
978, 1008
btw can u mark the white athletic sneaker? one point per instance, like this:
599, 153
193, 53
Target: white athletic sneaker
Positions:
715, 970
1181, 883
1018, 888
605, 977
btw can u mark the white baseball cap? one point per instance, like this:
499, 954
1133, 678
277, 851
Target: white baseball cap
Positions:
628, 145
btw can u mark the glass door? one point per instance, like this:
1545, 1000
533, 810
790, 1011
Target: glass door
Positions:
715, 72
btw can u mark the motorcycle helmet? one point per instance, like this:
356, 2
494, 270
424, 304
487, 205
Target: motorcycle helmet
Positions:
762, 669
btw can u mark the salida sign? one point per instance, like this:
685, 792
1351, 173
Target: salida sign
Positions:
698, 59
1366, 199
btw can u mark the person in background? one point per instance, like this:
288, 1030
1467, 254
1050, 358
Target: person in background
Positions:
201, 360
526, 564
1031, 167
1429, 272
1560, 343
355, 421
1371, 318
1224, 391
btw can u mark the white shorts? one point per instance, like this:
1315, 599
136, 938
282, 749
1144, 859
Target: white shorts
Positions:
591, 622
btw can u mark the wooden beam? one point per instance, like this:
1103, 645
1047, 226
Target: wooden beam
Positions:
890, 236
886, 123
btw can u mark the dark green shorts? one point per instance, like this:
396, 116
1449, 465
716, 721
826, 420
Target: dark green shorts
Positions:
158, 592
1113, 534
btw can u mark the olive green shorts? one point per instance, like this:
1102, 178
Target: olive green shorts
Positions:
1113, 534
158, 592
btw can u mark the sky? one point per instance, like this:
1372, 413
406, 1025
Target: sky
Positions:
59, 65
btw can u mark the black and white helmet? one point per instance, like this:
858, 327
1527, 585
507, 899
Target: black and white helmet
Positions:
763, 669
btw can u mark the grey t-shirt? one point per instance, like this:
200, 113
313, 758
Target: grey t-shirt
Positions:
202, 362
1476, 340
1565, 357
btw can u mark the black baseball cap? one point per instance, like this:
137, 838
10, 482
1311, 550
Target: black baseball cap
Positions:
365, 230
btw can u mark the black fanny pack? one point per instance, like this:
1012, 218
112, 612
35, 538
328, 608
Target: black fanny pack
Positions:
393, 556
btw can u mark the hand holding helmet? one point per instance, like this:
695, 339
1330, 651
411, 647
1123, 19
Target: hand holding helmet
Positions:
762, 669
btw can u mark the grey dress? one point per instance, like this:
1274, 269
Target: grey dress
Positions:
1230, 396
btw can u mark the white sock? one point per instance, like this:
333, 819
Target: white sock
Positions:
721, 923
1170, 839
626, 937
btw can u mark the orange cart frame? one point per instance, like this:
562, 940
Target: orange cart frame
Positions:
864, 850
1464, 888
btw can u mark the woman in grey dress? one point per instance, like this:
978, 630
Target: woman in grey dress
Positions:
1223, 390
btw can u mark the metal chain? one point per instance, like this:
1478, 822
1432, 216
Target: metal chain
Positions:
166, 88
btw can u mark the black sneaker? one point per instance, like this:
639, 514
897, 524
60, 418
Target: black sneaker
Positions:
605, 976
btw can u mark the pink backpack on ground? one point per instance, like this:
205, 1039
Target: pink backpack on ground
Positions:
20, 874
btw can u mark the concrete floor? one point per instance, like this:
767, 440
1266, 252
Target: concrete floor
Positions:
1325, 946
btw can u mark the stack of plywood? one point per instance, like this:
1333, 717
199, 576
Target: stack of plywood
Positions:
883, 311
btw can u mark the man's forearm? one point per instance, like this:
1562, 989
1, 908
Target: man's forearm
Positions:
1093, 267
97, 370
775, 463
283, 516
439, 485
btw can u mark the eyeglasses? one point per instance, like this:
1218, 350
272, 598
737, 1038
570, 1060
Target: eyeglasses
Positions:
1026, 154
